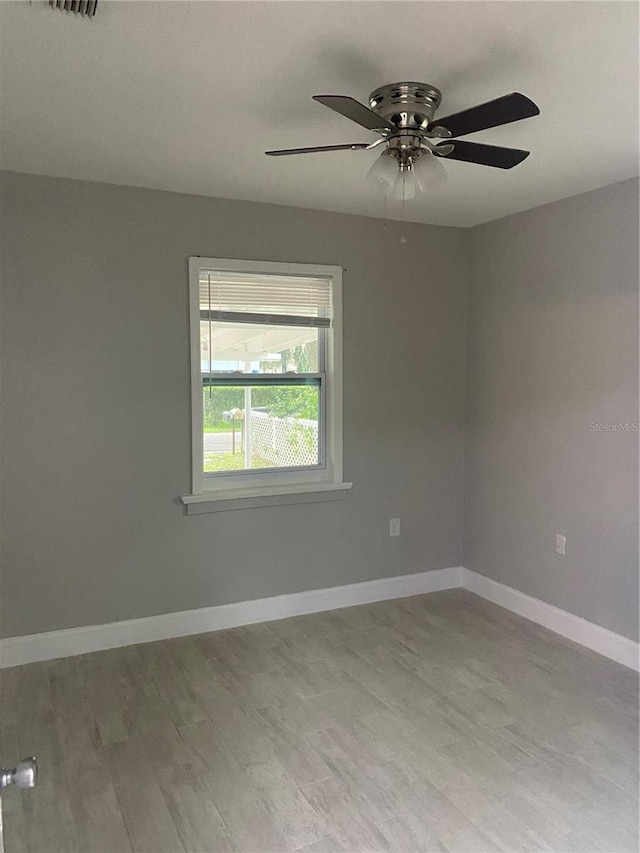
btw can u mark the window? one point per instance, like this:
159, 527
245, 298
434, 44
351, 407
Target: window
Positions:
266, 379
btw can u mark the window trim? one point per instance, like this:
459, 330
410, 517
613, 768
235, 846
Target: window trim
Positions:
327, 480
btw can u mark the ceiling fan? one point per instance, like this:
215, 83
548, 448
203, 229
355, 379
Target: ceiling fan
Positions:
403, 115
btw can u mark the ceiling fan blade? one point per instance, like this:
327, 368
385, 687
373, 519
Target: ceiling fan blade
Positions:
484, 155
503, 110
356, 146
354, 110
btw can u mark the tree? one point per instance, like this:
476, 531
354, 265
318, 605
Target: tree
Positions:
281, 401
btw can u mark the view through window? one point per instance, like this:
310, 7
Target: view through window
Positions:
263, 353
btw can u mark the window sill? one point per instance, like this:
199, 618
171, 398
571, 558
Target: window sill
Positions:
222, 501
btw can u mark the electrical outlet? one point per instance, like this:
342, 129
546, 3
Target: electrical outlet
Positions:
394, 527
561, 544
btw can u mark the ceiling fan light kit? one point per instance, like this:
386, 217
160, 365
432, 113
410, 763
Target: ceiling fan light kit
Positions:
403, 114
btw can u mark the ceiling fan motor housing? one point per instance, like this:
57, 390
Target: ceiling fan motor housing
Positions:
408, 106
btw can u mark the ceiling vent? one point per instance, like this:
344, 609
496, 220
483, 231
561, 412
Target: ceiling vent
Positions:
86, 8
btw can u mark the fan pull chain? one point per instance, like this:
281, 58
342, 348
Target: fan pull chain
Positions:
403, 238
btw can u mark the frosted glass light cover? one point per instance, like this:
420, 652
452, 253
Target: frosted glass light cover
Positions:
383, 172
429, 172
406, 186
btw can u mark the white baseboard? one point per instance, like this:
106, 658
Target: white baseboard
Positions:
601, 640
93, 638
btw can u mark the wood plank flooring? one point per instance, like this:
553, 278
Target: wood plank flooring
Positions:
439, 722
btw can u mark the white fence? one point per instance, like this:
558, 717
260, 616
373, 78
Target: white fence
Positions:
284, 441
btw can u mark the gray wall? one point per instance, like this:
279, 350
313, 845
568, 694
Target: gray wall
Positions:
95, 412
553, 348
95, 405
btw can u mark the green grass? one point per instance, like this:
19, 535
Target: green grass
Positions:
228, 461
222, 426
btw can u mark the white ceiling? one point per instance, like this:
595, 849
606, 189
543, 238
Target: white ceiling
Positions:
186, 96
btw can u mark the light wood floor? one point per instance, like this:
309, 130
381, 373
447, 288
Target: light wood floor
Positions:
438, 722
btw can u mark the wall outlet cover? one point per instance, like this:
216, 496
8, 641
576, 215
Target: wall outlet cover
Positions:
561, 544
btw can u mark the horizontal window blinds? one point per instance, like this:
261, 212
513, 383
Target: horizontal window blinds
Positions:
262, 298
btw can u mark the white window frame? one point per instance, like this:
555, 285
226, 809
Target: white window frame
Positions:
249, 488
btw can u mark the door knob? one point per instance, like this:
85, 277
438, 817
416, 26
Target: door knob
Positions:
24, 775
